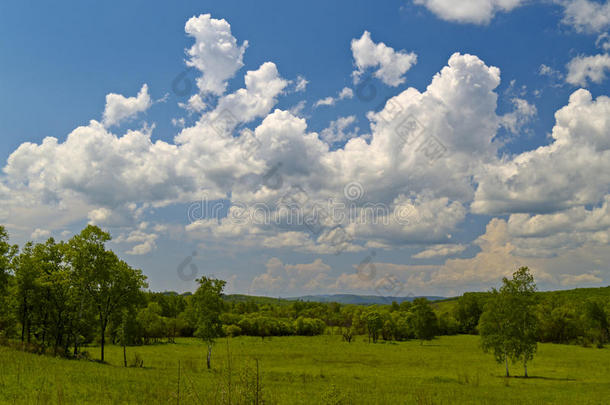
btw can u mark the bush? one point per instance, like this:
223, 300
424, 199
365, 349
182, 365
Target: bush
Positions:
309, 326
231, 330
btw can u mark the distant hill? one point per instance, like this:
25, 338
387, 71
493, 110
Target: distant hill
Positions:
360, 299
442, 304
339, 298
257, 299
574, 295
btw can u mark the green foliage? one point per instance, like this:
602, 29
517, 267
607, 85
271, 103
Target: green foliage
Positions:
6, 255
508, 327
424, 320
309, 326
59, 291
374, 325
110, 284
208, 305
468, 311
596, 321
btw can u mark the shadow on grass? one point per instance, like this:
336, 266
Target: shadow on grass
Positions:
538, 377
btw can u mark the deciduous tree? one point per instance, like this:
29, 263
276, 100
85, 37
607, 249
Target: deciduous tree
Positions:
508, 326
110, 283
424, 320
208, 304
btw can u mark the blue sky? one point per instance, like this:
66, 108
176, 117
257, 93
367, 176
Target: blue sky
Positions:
491, 202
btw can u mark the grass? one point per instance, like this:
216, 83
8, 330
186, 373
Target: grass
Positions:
309, 370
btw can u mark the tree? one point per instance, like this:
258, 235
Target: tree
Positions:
468, 312
26, 274
374, 324
596, 322
6, 253
6, 257
153, 324
110, 284
207, 305
508, 327
54, 285
128, 330
424, 320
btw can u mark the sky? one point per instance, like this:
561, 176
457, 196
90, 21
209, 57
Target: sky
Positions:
417, 147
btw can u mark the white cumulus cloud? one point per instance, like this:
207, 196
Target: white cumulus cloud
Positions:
215, 52
582, 69
391, 65
469, 11
120, 108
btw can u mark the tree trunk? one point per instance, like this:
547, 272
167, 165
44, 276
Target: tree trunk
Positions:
103, 324
23, 319
525, 367
506, 363
124, 354
103, 341
209, 358
75, 344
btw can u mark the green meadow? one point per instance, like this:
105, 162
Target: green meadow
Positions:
307, 370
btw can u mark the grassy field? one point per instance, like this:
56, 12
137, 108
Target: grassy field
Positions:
309, 370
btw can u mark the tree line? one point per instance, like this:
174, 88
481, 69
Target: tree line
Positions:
59, 297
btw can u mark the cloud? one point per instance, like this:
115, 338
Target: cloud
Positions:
545, 70
554, 76
545, 235
346, 92
522, 115
603, 41
301, 84
571, 171
40, 234
111, 178
583, 15
499, 256
586, 15
143, 242
215, 52
391, 65
581, 279
195, 104
325, 101
336, 131
297, 109
120, 108
99, 215
440, 251
283, 279
469, 11
584, 68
